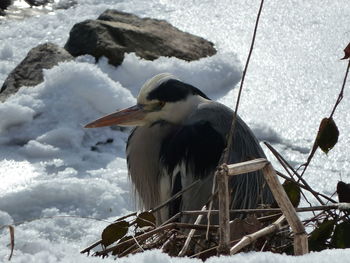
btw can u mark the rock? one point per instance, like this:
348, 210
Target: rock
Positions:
4, 4
115, 33
37, 2
29, 71
65, 4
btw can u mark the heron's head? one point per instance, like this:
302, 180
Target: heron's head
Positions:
162, 98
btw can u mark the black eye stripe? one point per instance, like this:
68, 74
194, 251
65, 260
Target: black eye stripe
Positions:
174, 90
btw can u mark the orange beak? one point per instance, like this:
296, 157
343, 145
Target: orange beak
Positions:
132, 116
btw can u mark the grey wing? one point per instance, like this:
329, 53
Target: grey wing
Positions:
247, 190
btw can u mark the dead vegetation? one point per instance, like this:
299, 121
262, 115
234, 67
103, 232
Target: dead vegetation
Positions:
265, 229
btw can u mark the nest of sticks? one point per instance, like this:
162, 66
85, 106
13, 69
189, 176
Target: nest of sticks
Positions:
278, 229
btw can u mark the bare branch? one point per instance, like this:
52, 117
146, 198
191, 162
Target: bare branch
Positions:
339, 99
246, 167
224, 207
341, 94
173, 197
147, 235
300, 237
190, 235
248, 239
305, 185
340, 206
95, 244
230, 142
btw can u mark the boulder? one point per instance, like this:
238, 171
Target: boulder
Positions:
115, 33
37, 2
30, 71
4, 4
64, 4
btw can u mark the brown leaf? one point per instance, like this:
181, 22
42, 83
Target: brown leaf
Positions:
340, 238
293, 192
327, 135
318, 237
114, 232
146, 219
347, 52
343, 191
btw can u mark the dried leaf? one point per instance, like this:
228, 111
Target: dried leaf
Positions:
319, 236
343, 191
340, 238
145, 219
293, 191
114, 232
347, 52
327, 135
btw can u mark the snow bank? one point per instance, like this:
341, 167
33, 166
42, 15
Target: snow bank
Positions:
56, 167
215, 76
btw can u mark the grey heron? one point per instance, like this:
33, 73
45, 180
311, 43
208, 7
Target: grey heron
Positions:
179, 137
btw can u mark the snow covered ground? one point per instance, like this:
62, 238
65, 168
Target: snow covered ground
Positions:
51, 166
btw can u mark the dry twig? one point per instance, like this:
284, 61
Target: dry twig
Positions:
190, 235
339, 99
248, 239
300, 237
224, 214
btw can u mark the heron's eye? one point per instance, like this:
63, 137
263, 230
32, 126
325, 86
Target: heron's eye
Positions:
161, 104
158, 106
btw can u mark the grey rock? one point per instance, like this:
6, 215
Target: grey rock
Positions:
37, 2
65, 4
4, 4
115, 33
30, 71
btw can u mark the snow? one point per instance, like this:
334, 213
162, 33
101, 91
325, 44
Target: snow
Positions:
61, 184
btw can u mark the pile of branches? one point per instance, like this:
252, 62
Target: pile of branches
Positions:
262, 229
